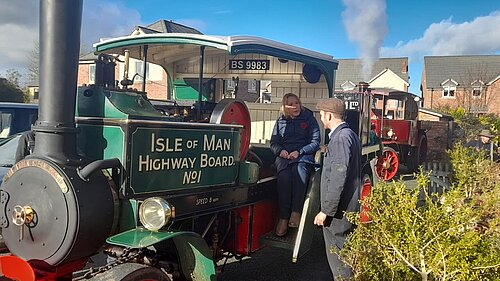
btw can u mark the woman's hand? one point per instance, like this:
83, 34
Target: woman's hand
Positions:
293, 155
284, 154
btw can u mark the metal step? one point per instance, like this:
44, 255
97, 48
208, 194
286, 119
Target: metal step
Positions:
285, 242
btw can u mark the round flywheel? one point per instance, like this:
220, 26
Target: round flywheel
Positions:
232, 111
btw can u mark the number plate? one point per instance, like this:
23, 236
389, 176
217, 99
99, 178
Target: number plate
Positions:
249, 64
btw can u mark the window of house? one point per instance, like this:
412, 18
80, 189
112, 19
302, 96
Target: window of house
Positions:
449, 88
476, 92
92, 74
139, 71
449, 91
477, 88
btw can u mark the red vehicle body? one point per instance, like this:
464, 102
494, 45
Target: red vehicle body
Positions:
395, 123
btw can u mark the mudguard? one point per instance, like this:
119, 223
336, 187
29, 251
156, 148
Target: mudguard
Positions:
195, 257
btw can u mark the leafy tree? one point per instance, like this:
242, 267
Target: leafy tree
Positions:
414, 235
14, 77
9, 92
470, 124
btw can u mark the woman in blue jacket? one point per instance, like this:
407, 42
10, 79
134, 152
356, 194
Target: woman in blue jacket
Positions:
294, 141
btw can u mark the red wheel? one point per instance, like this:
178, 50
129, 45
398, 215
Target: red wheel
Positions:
366, 189
387, 164
231, 111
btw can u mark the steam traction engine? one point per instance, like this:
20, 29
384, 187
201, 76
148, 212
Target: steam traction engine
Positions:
164, 196
394, 121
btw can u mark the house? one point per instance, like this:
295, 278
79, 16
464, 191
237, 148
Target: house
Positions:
389, 73
33, 94
156, 78
470, 82
427, 114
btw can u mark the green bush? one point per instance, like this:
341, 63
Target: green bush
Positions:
414, 235
470, 124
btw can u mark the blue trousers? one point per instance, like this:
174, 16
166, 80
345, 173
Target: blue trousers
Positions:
292, 187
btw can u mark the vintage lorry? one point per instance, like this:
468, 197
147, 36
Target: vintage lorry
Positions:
395, 122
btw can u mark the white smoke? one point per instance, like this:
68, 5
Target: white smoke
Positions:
366, 25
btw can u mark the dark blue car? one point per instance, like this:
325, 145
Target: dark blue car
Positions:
16, 118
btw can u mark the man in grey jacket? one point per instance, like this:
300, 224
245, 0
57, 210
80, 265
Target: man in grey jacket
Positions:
340, 184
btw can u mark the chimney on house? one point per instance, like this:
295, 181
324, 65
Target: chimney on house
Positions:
363, 87
404, 67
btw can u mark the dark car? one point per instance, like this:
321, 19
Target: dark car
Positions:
8, 147
16, 118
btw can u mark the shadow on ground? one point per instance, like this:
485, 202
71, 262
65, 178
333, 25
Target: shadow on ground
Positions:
275, 264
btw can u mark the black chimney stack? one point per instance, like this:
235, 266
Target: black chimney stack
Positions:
363, 87
55, 130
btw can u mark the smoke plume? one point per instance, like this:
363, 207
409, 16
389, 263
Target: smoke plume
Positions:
366, 25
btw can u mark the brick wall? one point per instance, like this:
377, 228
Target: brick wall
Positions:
155, 89
488, 102
493, 93
83, 74
439, 138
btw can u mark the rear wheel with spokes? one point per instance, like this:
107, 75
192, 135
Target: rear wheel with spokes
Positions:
387, 164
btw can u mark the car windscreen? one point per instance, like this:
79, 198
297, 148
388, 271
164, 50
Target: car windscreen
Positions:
5, 124
8, 149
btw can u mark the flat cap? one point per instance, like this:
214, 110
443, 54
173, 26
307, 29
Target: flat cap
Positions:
333, 105
485, 133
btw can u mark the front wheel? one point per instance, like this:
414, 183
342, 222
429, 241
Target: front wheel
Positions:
387, 164
133, 272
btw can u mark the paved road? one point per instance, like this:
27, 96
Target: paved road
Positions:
274, 264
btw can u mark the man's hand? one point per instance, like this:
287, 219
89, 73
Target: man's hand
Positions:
320, 219
293, 155
284, 154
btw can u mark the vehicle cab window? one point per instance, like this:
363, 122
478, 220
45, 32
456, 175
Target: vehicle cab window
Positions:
5, 124
8, 149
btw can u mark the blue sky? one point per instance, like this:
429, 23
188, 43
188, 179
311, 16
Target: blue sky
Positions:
412, 28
